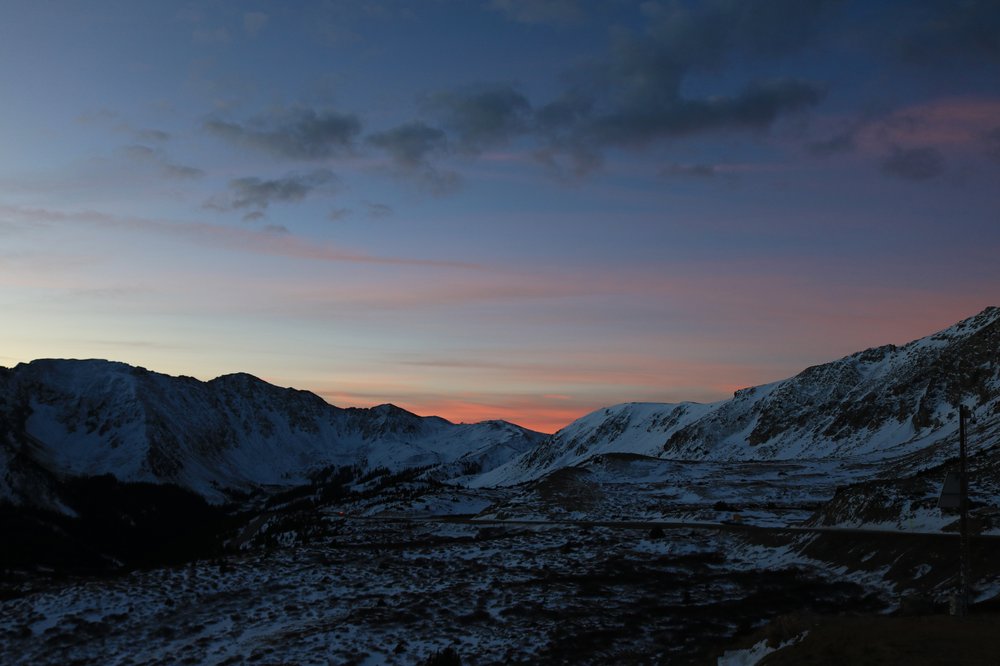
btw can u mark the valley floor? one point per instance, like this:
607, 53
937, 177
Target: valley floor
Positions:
397, 592
578, 568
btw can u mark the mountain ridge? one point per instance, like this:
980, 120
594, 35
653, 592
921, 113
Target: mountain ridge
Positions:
238, 432
234, 432
884, 401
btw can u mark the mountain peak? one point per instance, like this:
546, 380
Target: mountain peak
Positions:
389, 408
874, 404
94, 417
87, 364
990, 315
239, 379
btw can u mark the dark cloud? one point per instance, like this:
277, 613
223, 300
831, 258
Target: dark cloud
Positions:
568, 110
682, 36
834, 145
150, 134
411, 147
139, 152
642, 106
756, 107
914, 163
412, 144
181, 171
484, 117
338, 214
636, 122
298, 133
257, 194
539, 11
558, 125
643, 77
964, 29
636, 95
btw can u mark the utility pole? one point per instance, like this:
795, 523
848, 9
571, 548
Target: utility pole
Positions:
965, 573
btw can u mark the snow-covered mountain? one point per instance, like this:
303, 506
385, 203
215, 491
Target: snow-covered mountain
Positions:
83, 418
93, 417
632, 427
881, 403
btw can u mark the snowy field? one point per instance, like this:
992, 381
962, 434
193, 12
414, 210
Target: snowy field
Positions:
395, 592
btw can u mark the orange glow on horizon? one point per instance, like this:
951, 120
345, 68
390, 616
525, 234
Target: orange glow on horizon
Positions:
541, 418
543, 415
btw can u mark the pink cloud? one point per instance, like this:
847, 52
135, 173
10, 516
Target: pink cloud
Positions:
954, 123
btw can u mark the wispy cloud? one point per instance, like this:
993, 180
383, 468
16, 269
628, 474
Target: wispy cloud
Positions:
377, 210
225, 237
921, 163
943, 123
256, 194
298, 133
918, 141
182, 171
491, 286
842, 142
143, 154
689, 170
152, 134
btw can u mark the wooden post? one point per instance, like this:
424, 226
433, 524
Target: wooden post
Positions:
964, 572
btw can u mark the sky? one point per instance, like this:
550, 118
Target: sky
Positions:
484, 209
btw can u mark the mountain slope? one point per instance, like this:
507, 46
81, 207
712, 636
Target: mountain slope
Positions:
236, 432
884, 402
633, 427
87, 418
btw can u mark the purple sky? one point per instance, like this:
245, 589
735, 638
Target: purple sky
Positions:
498, 209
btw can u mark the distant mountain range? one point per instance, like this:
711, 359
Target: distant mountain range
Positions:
69, 418
879, 404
